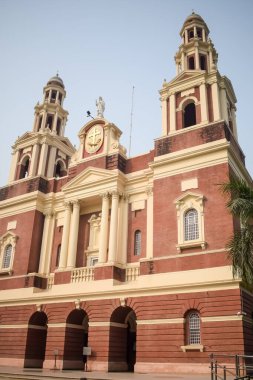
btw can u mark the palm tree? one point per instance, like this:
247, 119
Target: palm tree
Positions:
240, 246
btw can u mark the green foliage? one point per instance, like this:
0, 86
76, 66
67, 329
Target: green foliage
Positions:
240, 246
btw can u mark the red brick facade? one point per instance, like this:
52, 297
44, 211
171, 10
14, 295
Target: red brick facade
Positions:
99, 253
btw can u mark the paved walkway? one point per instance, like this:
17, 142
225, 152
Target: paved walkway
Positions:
7, 373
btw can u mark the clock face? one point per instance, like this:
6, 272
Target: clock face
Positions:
94, 139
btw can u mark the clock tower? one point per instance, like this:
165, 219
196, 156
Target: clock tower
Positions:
44, 151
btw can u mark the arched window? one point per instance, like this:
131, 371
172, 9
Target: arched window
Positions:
190, 34
24, 168
193, 328
59, 169
189, 115
191, 226
137, 243
7, 257
49, 122
191, 63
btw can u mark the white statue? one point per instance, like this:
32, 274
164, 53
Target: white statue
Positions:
100, 107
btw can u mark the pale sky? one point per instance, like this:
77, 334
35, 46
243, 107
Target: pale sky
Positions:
104, 48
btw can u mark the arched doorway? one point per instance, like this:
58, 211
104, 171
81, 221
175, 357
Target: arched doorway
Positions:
122, 340
76, 337
36, 340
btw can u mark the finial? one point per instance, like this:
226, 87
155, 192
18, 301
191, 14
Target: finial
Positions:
193, 13
57, 73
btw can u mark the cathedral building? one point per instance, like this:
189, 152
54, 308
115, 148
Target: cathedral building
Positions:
120, 263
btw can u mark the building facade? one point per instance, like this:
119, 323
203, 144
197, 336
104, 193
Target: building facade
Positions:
120, 262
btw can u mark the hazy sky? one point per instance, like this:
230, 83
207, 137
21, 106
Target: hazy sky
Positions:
104, 48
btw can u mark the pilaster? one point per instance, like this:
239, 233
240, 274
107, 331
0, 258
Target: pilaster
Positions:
103, 246
73, 236
150, 217
113, 227
65, 236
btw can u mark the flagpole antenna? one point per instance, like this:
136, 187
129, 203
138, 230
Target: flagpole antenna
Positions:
131, 123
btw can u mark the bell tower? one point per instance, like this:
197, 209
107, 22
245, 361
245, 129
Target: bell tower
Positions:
198, 95
44, 151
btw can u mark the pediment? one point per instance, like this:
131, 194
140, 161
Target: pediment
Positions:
189, 195
186, 75
24, 137
90, 177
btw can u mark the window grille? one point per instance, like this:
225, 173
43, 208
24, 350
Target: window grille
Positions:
194, 328
7, 257
137, 243
191, 227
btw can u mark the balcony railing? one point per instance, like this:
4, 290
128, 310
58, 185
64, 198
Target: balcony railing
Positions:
132, 272
82, 274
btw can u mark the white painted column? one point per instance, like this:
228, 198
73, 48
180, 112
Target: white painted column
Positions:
164, 117
197, 66
216, 101
51, 162
210, 59
43, 159
36, 120
73, 236
172, 112
124, 229
44, 120
234, 122
50, 244
150, 216
203, 103
14, 163
46, 245
103, 243
55, 122
224, 106
183, 61
113, 227
34, 161
65, 237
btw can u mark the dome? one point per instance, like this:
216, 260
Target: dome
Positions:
194, 18
56, 80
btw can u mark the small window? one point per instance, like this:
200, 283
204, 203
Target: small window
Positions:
7, 257
190, 34
137, 243
189, 115
53, 96
58, 127
191, 227
191, 63
24, 168
199, 33
59, 169
202, 62
93, 261
49, 122
193, 324
58, 254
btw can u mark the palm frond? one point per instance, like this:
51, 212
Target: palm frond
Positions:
240, 250
240, 199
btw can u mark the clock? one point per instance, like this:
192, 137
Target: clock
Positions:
94, 139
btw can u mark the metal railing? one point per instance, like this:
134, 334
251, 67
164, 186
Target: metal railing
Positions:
231, 367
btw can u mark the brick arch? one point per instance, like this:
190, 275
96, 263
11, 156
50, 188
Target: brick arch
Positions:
36, 340
122, 339
76, 337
